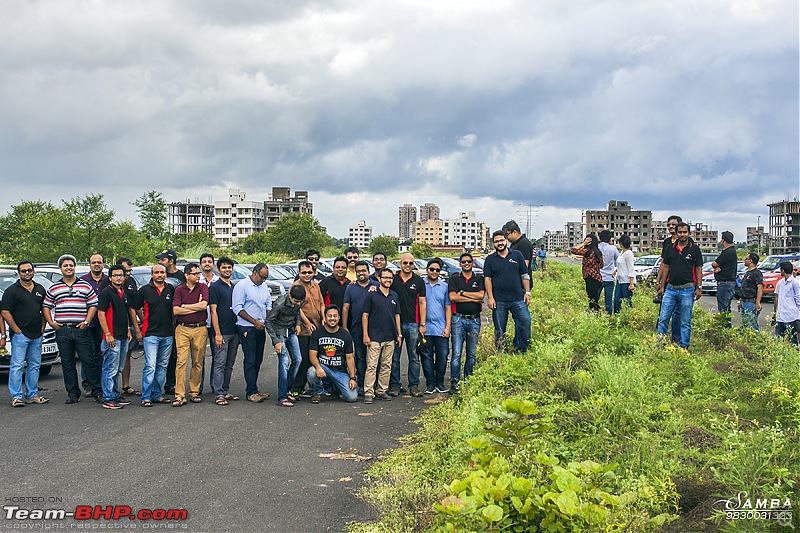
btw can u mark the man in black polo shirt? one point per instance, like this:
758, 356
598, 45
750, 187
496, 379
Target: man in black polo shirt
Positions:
661, 280
410, 288
466, 294
175, 277
155, 301
334, 286
683, 267
507, 282
22, 309
519, 242
725, 273
380, 323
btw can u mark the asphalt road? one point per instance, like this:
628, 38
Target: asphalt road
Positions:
241, 467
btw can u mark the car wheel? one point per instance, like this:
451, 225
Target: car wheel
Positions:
44, 370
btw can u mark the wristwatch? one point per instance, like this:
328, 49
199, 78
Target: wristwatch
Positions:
422, 325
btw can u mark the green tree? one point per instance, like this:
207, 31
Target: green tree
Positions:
127, 241
383, 244
35, 231
252, 244
90, 220
421, 249
152, 210
295, 233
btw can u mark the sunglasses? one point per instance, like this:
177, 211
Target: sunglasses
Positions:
304, 272
466, 262
407, 262
352, 257
434, 269
25, 270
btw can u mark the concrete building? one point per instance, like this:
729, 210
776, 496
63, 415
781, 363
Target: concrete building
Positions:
621, 219
574, 231
430, 231
784, 227
360, 235
757, 235
189, 217
555, 240
281, 202
706, 239
407, 217
660, 232
236, 217
466, 231
429, 211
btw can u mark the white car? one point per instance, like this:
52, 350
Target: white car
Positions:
643, 266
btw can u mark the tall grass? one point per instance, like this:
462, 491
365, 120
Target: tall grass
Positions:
687, 428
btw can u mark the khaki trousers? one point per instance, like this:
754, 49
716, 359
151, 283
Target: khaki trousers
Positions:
189, 340
378, 351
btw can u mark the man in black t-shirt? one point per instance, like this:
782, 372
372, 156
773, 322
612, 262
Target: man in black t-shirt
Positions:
410, 288
331, 354
683, 267
661, 281
466, 294
519, 242
725, 274
751, 292
334, 286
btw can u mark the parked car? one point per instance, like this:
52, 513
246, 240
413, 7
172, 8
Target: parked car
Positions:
709, 285
52, 272
643, 266
50, 354
241, 271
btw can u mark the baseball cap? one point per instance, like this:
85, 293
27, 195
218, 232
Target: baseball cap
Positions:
168, 253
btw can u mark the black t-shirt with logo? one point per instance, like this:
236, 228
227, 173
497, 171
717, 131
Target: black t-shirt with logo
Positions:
409, 293
750, 282
682, 263
523, 245
333, 292
473, 284
156, 310
25, 307
115, 304
332, 348
727, 262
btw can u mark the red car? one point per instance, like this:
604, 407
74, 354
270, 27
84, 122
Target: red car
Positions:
771, 267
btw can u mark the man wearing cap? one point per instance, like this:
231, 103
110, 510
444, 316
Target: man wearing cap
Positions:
168, 258
725, 273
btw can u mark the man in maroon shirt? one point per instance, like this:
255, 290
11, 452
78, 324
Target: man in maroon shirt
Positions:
189, 308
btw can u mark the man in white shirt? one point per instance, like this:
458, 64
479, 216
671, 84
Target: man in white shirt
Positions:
787, 304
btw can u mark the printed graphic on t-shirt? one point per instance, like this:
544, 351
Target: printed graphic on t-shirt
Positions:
331, 351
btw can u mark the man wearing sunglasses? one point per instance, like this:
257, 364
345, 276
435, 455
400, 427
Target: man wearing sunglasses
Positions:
466, 292
661, 280
351, 254
312, 256
410, 289
251, 302
69, 307
311, 316
22, 309
439, 315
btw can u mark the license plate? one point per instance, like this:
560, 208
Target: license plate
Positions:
49, 348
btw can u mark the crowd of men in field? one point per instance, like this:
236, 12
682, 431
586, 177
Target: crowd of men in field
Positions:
342, 335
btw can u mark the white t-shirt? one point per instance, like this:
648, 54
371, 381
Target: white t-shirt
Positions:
625, 272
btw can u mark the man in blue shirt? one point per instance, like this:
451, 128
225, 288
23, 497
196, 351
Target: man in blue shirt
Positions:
508, 289
225, 341
439, 315
251, 301
355, 296
380, 323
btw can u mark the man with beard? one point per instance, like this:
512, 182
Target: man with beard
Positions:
507, 283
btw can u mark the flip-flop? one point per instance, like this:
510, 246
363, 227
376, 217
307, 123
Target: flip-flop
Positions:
179, 402
232, 397
195, 399
284, 403
130, 391
162, 400
221, 401
147, 403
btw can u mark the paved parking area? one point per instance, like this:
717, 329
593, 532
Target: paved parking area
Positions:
241, 467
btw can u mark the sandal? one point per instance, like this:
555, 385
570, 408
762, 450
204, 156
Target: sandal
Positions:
285, 403
179, 402
221, 401
37, 399
130, 391
17, 402
315, 398
147, 403
162, 400
195, 399
232, 397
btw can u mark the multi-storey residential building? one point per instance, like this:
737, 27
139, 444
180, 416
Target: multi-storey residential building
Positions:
706, 239
621, 219
660, 232
555, 240
189, 217
407, 217
430, 231
466, 231
429, 212
756, 235
281, 202
236, 218
784, 226
574, 231
360, 235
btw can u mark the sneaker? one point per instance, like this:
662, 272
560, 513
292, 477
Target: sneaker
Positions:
431, 390
306, 394
87, 390
394, 391
72, 399
384, 396
264, 395
453, 390
111, 404
403, 390
98, 399
368, 398
415, 392
122, 401
442, 389
255, 398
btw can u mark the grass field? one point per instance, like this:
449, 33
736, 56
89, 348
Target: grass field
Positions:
600, 426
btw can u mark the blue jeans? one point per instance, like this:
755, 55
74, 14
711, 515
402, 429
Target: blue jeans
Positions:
724, 297
788, 329
750, 315
340, 380
410, 332
522, 324
24, 349
608, 294
463, 330
434, 361
288, 364
360, 354
111, 367
622, 292
252, 341
683, 300
222, 362
157, 351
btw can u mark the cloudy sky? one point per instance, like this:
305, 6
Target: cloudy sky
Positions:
683, 106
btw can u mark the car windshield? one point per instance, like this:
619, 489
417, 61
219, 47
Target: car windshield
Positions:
7, 280
645, 261
707, 268
770, 262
